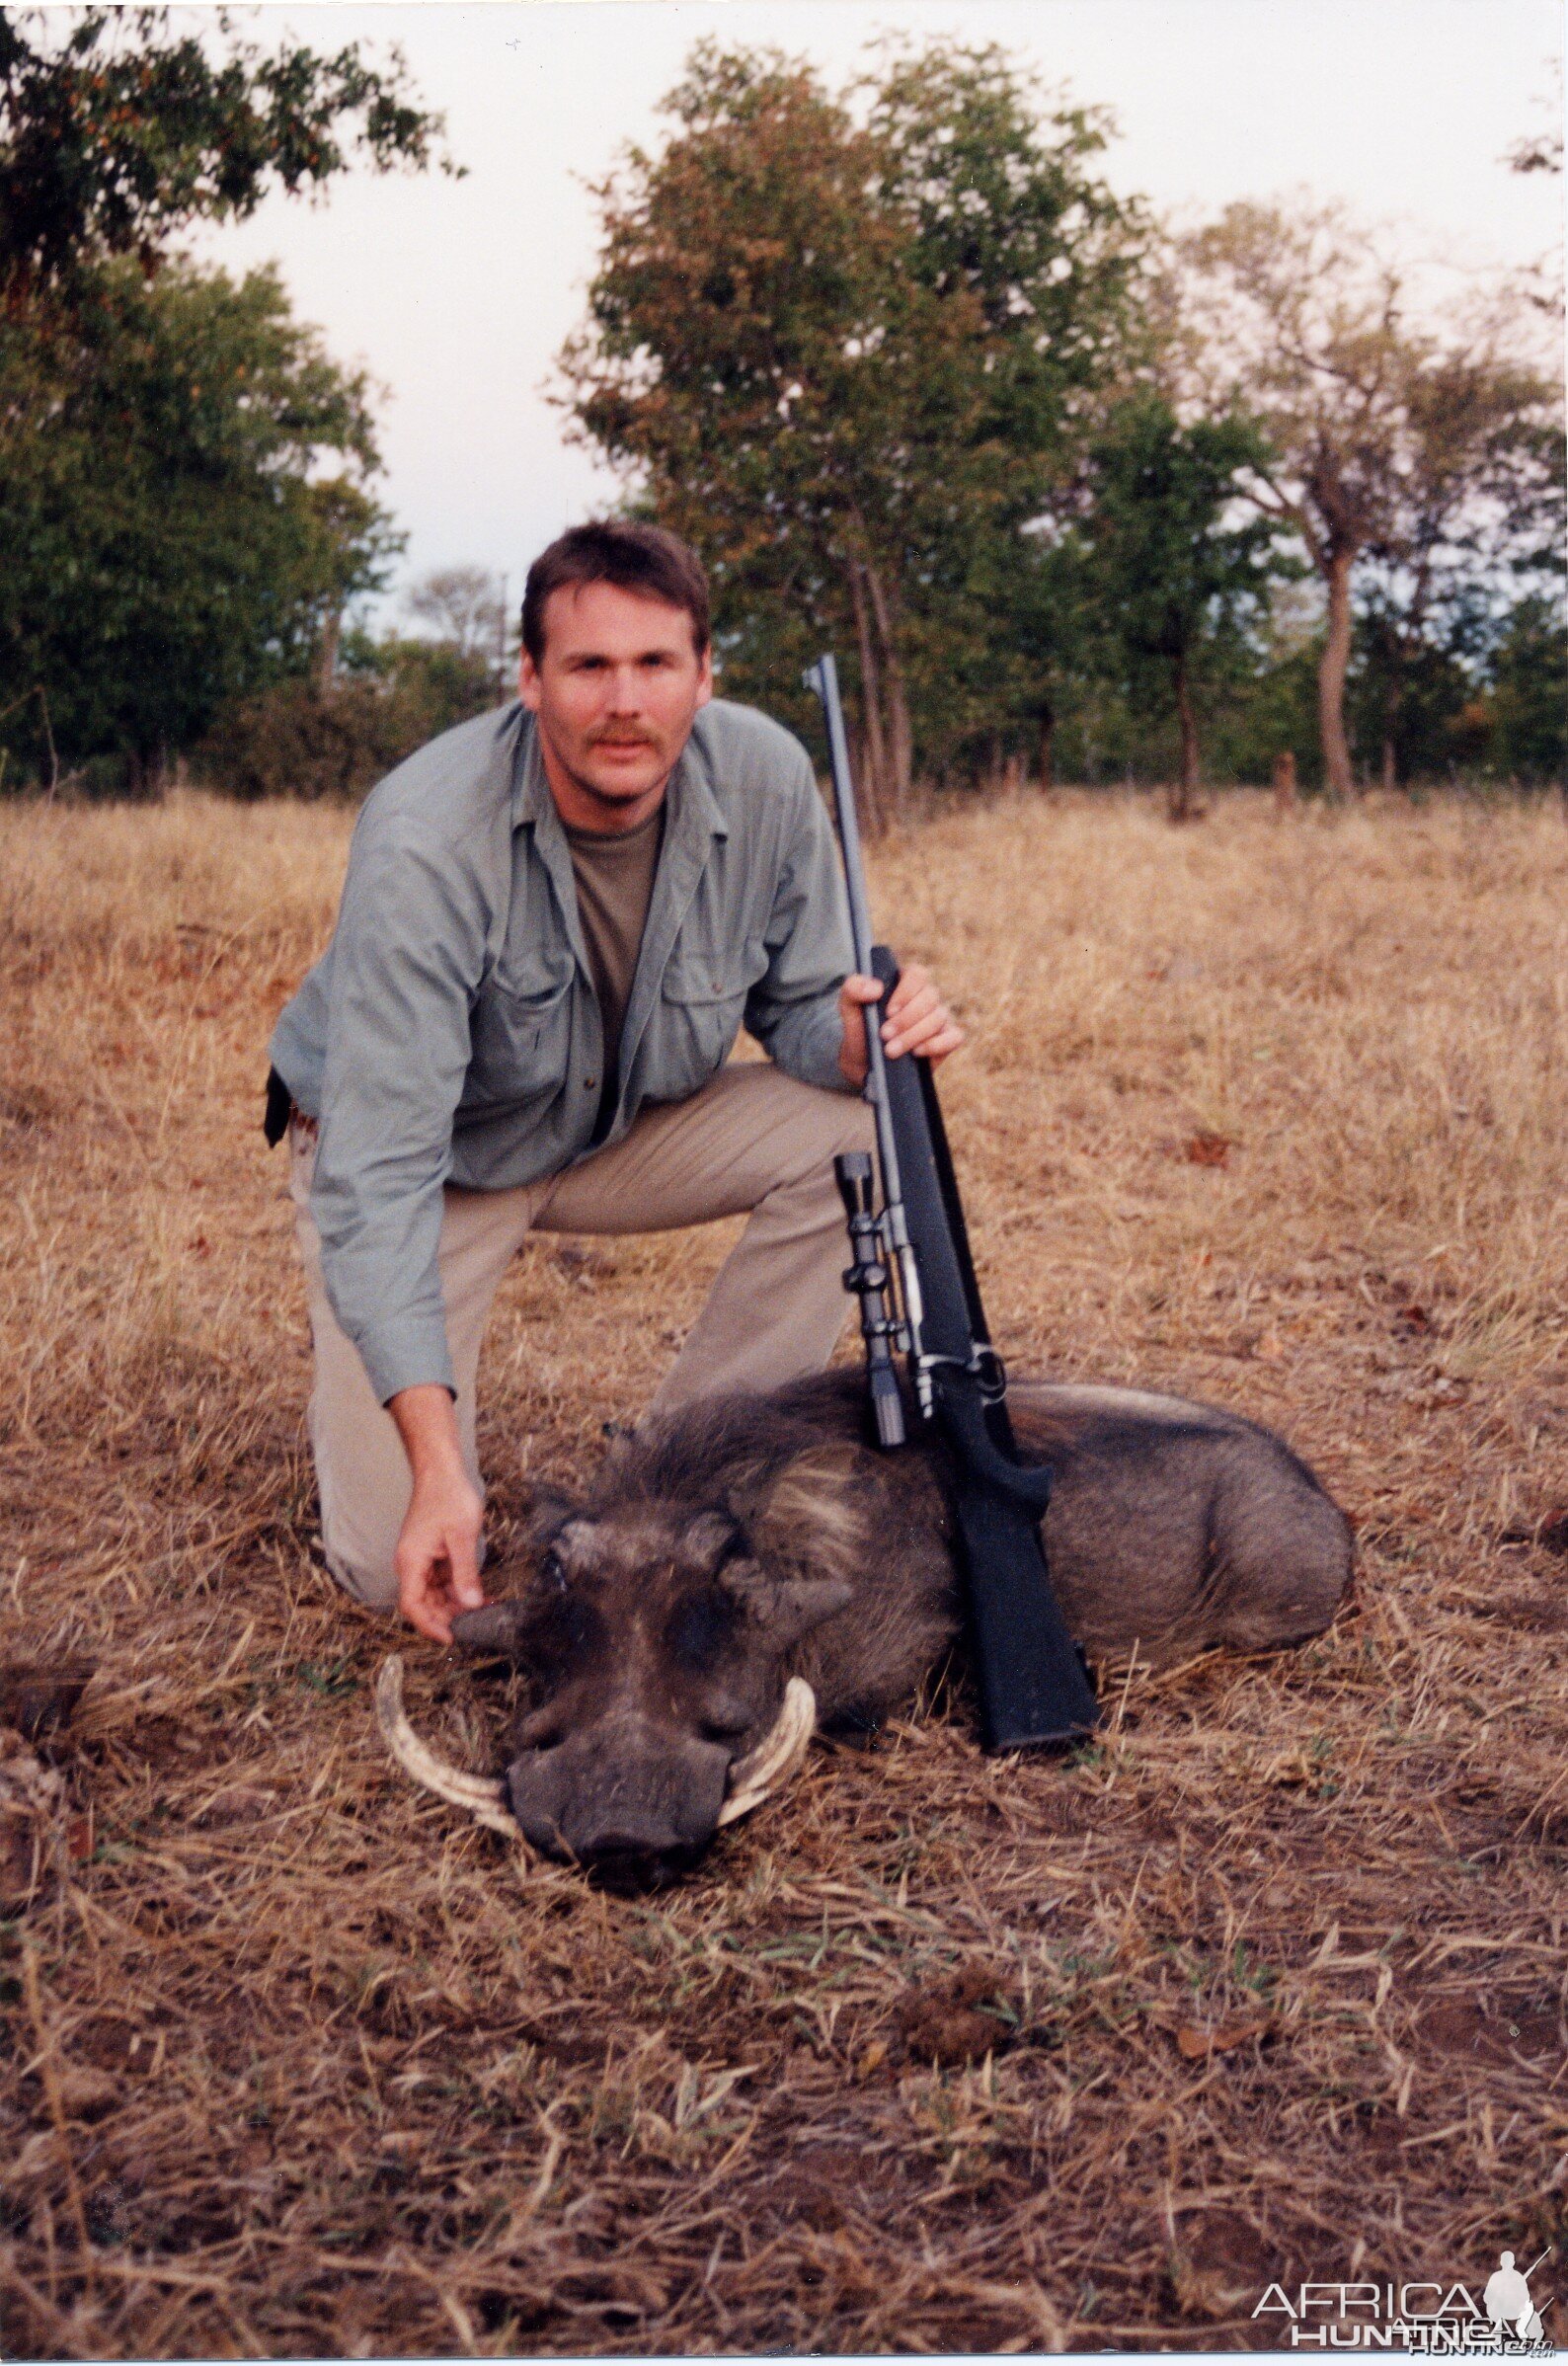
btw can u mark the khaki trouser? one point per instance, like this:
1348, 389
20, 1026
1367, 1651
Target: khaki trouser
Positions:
752, 1141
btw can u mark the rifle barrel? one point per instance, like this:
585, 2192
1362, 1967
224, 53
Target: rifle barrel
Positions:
823, 678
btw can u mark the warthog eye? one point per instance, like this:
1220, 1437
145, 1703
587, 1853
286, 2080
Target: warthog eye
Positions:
698, 1630
725, 1725
553, 1569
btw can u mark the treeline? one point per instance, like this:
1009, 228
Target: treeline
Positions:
186, 505
1072, 498
1075, 494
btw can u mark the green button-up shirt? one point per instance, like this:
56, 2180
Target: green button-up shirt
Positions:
450, 1030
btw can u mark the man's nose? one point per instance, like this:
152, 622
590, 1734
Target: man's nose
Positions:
626, 690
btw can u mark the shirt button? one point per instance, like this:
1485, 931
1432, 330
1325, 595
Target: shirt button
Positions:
588, 1083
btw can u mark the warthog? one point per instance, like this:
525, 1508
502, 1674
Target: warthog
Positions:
726, 1557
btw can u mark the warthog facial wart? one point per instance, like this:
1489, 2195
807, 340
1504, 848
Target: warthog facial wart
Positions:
743, 1569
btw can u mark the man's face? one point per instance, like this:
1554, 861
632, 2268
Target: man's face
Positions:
616, 691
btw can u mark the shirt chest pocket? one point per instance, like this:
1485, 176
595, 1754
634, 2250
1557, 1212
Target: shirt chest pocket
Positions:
520, 1037
701, 1004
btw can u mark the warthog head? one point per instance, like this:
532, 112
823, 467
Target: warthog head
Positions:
742, 1567
653, 1637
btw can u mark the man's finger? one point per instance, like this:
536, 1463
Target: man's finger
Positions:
901, 1015
463, 1562
915, 980
919, 1034
948, 1041
421, 1605
862, 989
915, 1028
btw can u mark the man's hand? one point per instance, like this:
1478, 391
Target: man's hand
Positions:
916, 1020
437, 1553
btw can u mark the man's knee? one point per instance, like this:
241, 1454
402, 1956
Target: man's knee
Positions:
822, 1126
358, 1550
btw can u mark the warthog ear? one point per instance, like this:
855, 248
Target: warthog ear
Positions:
809, 1517
549, 1510
791, 1542
498, 1628
784, 1605
785, 1595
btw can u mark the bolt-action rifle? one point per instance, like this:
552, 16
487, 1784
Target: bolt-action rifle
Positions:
914, 1279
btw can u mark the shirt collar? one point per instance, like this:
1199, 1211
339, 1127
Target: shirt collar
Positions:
694, 813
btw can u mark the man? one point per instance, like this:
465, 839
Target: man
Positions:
554, 921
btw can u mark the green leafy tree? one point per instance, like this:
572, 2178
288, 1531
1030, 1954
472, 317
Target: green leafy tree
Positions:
183, 472
845, 356
1527, 705
1474, 524
1392, 443
1175, 575
389, 693
116, 136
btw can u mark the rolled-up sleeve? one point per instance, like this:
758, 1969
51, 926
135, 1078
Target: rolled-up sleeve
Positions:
407, 956
793, 1008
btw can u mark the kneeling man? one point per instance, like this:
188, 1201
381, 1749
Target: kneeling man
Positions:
555, 921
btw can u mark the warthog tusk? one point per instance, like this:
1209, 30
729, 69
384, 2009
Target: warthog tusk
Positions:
778, 1753
483, 1795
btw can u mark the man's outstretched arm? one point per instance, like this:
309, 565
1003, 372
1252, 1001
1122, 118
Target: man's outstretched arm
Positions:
407, 951
437, 1551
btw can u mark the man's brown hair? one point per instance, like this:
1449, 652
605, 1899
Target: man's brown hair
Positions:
647, 559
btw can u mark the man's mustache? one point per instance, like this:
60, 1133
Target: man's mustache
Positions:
608, 734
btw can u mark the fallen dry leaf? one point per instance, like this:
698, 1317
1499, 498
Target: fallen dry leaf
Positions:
87, 2092
1195, 2043
38, 1696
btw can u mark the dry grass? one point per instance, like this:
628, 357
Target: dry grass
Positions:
1268, 1984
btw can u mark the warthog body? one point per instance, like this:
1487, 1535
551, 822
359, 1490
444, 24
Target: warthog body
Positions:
727, 1547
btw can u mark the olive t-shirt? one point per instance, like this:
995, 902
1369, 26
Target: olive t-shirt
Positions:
614, 878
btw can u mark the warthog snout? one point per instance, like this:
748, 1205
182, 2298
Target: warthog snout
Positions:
631, 1804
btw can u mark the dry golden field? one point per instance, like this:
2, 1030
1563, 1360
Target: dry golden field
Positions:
934, 2053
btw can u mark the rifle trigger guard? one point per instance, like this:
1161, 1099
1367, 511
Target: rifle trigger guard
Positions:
977, 1450
985, 1367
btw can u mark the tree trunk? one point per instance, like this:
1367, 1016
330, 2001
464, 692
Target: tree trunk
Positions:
1390, 769
873, 768
1184, 796
902, 753
147, 770
327, 656
1048, 749
901, 737
1337, 776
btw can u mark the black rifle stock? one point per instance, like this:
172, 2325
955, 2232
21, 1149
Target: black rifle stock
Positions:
914, 1279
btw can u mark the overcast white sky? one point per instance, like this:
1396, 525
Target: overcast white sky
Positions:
457, 294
